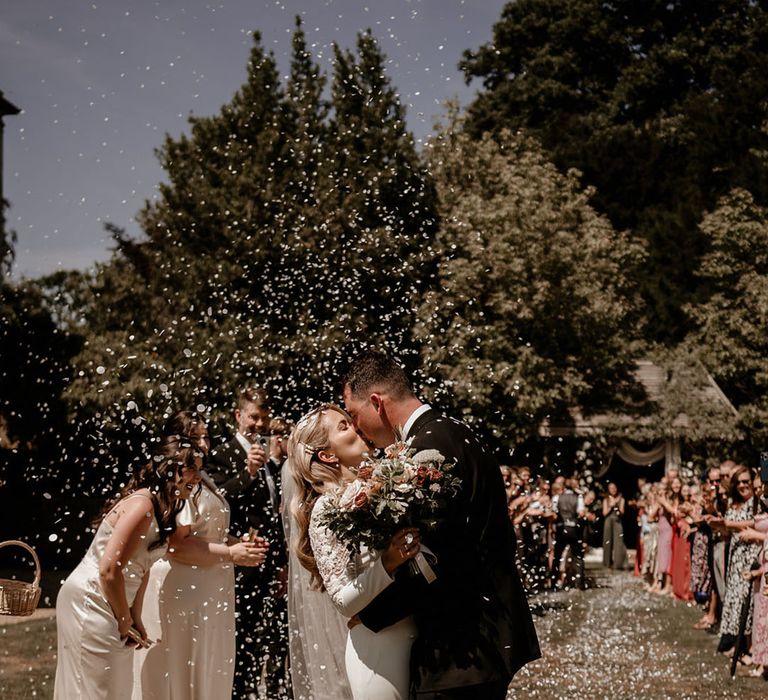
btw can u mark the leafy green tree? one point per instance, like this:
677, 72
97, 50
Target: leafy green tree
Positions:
657, 103
535, 309
289, 228
7, 240
731, 320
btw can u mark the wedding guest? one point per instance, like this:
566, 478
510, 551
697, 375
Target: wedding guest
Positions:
681, 546
589, 517
650, 536
189, 604
540, 518
99, 607
668, 500
637, 505
251, 484
701, 571
280, 432
715, 505
524, 473
558, 485
739, 516
759, 536
517, 508
568, 532
511, 483
614, 549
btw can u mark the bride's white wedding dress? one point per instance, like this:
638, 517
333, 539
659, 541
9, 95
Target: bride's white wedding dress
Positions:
377, 663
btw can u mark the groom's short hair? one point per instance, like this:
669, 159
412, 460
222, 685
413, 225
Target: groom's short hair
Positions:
374, 370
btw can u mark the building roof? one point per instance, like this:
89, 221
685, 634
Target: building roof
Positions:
7, 107
681, 401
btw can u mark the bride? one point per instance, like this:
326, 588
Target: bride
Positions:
324, 451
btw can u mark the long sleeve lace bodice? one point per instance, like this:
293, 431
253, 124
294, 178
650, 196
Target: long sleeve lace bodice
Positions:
352, 581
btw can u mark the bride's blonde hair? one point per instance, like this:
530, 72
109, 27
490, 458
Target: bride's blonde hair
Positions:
312, 477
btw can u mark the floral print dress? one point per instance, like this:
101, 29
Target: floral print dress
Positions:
737, 590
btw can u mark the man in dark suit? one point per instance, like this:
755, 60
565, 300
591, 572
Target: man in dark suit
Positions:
250, 481
475, 627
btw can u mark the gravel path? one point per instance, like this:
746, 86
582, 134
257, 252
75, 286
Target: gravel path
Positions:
617, 641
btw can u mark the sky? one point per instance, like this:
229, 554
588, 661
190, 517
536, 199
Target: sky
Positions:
101, 82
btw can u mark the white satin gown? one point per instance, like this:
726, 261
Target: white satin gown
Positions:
190, 610
377, 664
93, 662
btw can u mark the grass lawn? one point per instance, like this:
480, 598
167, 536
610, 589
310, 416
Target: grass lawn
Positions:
28, 659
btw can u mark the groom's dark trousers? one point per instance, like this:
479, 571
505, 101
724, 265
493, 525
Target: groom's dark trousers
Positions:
486, 691
475, 630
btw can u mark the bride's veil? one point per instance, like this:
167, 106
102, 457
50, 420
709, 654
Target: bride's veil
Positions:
317, 631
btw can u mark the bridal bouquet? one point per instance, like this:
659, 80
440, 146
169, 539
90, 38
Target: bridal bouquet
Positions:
401, 489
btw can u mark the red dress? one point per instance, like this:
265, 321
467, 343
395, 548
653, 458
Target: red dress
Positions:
639, 550
681, 561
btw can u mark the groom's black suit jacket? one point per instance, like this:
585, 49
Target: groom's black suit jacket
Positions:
474, 623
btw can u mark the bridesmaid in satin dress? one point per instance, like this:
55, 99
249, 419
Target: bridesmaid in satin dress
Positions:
99, 605
190, 598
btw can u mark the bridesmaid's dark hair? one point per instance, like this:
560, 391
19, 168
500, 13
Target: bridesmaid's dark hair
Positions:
183, 424
158, 475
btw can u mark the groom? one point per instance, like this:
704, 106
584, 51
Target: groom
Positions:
475, 628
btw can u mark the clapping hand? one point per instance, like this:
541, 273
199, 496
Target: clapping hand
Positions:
750, 535
251, 551
751, 574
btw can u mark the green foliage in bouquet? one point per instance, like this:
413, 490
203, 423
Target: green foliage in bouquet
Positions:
401, 489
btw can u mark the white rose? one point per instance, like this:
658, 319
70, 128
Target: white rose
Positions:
428, 456
347, 500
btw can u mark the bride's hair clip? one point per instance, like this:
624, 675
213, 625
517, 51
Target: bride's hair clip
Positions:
307, 449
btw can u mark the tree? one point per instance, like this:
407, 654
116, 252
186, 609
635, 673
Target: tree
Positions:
289, 229
7, 241
730, 321
658, 103
535, 309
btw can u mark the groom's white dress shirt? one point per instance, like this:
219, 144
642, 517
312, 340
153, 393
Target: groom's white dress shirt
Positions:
413, 417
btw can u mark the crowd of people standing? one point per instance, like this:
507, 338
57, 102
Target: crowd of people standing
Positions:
700, 541
705, 541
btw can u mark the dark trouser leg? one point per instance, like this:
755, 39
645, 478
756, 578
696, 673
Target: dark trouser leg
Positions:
560, 543
249, 605
486, 691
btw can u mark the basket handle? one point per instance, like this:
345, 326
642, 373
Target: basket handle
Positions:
19, 543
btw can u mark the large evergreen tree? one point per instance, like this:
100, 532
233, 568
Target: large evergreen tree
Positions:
536, 307
658, 103
289, 228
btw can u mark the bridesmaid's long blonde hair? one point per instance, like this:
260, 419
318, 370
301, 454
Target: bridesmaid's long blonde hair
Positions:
311, 477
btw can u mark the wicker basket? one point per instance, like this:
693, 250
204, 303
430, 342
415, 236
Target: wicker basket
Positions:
18, 597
